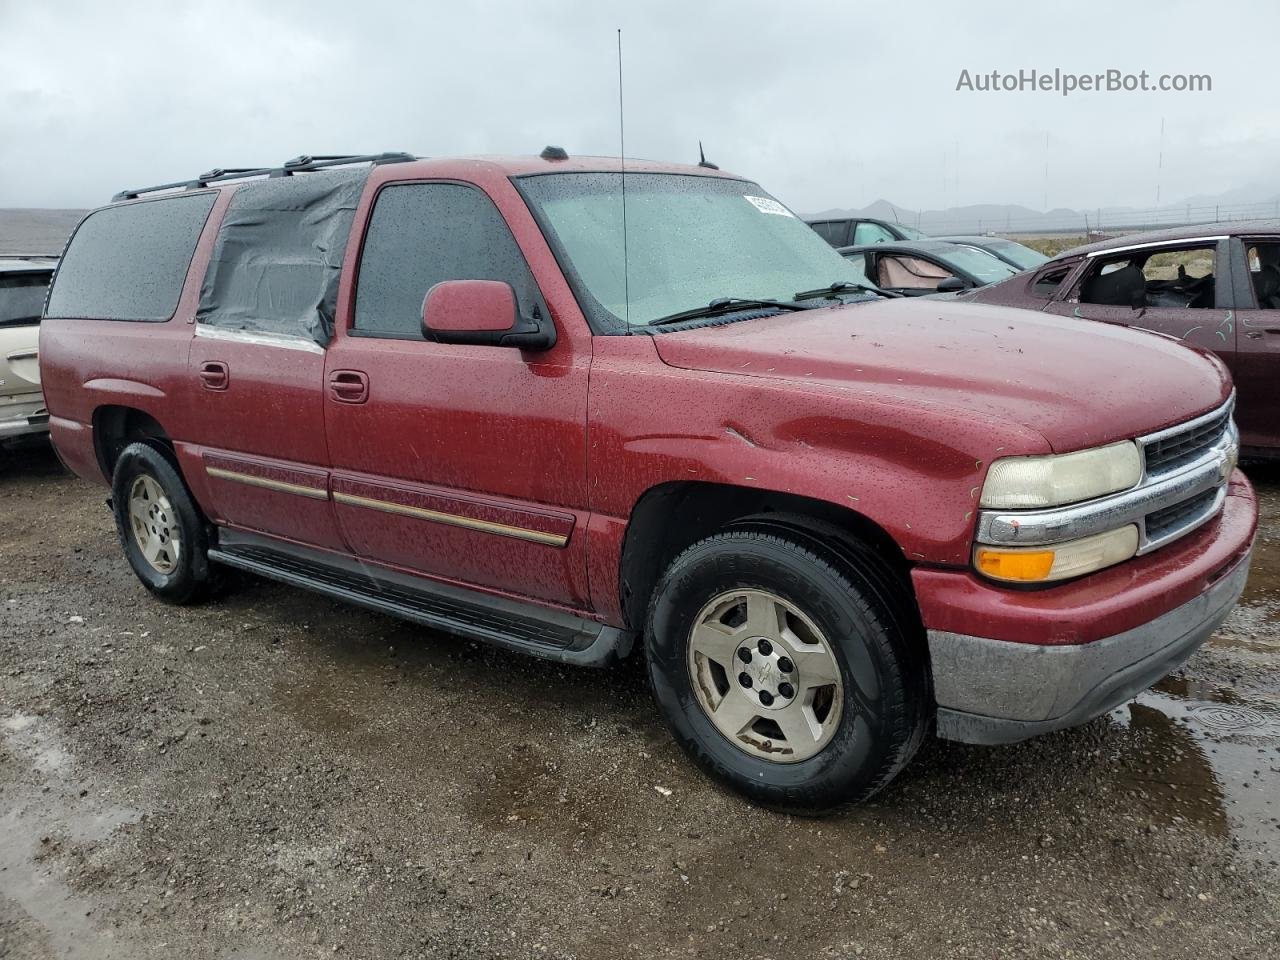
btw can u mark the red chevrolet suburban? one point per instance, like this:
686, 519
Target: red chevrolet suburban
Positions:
582, 412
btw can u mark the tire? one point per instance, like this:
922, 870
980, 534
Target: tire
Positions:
857, 734
147, 488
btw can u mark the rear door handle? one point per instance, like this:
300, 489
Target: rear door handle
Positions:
349, 386
215, 375
1257, 334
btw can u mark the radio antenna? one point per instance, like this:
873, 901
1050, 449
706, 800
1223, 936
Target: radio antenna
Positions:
622, 158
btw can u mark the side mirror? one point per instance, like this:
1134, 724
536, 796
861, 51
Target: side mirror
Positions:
951, 285
482, 312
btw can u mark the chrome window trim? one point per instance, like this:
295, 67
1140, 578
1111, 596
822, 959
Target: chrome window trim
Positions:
1152, 246
1132, 506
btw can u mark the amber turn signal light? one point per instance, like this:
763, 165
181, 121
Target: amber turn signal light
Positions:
1015, 564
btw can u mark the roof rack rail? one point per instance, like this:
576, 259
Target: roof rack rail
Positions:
298, 164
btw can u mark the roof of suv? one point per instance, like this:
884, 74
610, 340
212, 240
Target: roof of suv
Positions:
1194, 231
409, 167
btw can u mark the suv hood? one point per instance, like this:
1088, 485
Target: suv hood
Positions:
1079, 383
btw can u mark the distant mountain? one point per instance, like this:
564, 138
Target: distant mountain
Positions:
1249, 202
36, 231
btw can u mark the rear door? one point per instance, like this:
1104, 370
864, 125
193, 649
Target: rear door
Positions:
464, 463
255, 373
257, 424
1256, 264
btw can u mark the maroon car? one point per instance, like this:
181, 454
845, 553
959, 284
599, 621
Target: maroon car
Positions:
831, 521
1213, 285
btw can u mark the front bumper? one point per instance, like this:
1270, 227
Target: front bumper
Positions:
1043, 660
993, 691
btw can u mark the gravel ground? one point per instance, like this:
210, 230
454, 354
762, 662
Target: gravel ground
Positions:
274, 775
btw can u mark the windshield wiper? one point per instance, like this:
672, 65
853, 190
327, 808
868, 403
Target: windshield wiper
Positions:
724, 305
844, 286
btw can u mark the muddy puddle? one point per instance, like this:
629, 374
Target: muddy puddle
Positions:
47, 809
1209, 757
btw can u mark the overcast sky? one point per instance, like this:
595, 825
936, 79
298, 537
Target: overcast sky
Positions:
824, 103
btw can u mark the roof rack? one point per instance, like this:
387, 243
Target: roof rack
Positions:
299, 164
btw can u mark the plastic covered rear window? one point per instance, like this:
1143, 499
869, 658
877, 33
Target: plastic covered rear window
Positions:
278, 257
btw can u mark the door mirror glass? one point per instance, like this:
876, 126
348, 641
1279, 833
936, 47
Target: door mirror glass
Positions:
481, 312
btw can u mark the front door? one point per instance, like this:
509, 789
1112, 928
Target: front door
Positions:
463, 463
1181, 291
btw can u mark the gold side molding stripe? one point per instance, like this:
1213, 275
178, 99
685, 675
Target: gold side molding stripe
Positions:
453, 519
315, 493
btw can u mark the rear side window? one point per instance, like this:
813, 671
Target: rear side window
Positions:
22, 297
277, 262
129, 262
423, 233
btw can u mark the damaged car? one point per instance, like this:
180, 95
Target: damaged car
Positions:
505, 399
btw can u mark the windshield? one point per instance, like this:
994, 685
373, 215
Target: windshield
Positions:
690, 240
910, 233
980, 264
1024, 257
22, 297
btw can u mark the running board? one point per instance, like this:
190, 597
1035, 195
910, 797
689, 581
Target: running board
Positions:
540, 632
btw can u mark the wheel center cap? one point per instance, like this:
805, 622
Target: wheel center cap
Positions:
766, 674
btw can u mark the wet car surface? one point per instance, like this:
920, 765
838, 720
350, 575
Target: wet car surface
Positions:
276, 775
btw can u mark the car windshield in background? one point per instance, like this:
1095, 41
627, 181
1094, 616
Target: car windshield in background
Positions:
1024, 257
985, 266
911, 233
22, 297
690, 240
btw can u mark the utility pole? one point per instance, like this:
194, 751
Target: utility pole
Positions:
1160, 162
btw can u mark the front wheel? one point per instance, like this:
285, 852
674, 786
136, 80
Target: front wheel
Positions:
784, 669
161, 528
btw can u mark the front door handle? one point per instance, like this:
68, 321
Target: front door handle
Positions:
349, 386
215, 374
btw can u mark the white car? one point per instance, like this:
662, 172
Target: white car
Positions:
23, 282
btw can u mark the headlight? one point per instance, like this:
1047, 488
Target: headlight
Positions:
1060, 561
1033, 482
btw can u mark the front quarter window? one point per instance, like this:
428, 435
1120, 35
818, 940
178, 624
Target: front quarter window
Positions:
690, 239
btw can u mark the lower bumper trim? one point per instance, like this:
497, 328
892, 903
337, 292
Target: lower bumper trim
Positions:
996, 691
24, 426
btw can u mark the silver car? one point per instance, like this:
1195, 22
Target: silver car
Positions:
23, 282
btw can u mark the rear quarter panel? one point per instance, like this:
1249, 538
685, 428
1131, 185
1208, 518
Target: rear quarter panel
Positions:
88, 364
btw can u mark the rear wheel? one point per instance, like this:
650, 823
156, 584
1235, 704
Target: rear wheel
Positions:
784, 670
161, 529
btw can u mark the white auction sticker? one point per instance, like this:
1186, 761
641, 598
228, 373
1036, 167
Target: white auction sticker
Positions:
768, 205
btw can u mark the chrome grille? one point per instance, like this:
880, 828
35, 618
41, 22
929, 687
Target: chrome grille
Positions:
1186, 448
1162, 523
1170, 450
